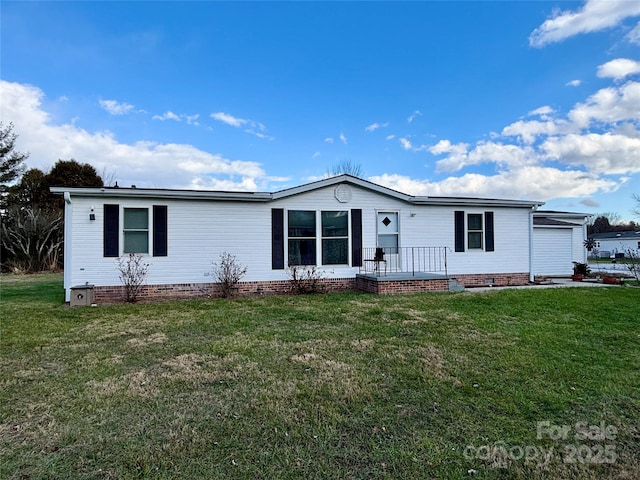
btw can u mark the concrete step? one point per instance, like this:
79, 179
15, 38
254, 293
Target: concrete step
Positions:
454, 286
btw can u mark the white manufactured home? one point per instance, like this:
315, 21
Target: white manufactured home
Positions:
612, 244
356, 233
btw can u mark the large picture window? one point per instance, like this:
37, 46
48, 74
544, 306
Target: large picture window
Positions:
474, 231
136, 230
335, 238
302, 237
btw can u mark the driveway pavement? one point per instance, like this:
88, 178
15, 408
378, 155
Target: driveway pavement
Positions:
552, 283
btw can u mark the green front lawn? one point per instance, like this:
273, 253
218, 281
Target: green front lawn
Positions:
324, 386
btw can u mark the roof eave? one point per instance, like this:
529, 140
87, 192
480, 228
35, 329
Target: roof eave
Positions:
461, 201
159, 193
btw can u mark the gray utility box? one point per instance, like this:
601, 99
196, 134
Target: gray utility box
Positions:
82, 296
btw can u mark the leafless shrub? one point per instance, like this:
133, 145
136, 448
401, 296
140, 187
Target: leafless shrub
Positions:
633, 262
133, 275
228, 272
305, 279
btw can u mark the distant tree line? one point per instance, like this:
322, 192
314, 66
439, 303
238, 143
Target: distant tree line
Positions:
605, 223
31, 217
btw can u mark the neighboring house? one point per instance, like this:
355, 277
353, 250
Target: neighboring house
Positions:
335, 224
611, 243
558, 241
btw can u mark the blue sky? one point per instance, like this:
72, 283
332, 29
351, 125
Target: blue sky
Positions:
536, 100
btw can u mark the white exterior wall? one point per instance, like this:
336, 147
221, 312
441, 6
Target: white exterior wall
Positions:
200, 230
614, 245
579, 250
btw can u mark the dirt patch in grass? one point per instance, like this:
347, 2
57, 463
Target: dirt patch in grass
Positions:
155, 338
363, 344
191, 368
138, 383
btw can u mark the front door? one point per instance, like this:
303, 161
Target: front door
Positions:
388, 239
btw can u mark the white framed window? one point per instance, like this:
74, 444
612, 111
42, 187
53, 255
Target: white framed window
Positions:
135, 231
475, 232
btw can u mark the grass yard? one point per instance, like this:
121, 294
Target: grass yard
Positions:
325, 386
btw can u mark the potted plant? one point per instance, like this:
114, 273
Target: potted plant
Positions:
580, 270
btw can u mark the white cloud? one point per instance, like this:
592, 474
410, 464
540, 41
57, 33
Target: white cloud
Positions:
574, 83
530, 182
169, 115
413, 116
143, 163
487, 152
406, 144
619, 68
229, 119
374, 126
114, 107
543, 111
315, 155
634, 35
600, 153
390, 137
343, 139
328, 140
192, 119
612, 104
261, 135
255, 128
595, 15
457, 158
529, 131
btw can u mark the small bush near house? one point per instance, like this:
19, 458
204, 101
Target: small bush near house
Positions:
133, 275
228, 272
305, 279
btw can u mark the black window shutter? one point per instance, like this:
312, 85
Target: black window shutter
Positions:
111, 230
356, 237
488, 232
277, 238
159, 230
459, 231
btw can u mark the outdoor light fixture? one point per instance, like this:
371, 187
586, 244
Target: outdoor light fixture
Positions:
92, 216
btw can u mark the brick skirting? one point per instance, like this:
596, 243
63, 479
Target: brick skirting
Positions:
115, 294
492, 279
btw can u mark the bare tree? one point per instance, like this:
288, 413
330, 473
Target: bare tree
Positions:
636, 208
346, 166
31, 239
